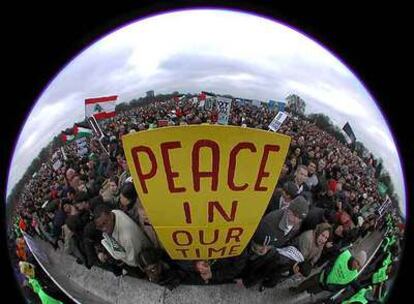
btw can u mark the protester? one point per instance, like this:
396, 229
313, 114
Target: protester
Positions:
324, 200
340, 273
125, 232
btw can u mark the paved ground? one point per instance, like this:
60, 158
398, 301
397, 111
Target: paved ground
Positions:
99, 286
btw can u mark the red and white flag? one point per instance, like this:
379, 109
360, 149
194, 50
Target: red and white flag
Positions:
100, 107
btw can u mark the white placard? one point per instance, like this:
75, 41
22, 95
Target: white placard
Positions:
57, 165
277, 121
223, 106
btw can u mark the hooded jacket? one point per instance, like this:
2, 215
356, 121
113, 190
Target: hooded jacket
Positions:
279, 222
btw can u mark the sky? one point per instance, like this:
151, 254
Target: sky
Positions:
213, 50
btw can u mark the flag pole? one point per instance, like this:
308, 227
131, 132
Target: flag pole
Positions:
97, 131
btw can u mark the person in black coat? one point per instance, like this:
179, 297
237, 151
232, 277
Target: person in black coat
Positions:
281, 199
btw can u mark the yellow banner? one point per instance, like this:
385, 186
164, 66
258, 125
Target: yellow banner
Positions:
205, 187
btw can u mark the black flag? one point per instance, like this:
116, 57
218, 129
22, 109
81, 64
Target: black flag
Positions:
348, 130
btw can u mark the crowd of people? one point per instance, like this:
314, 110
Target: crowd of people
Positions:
325, 199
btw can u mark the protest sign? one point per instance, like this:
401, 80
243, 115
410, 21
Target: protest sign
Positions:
82, 151
57, 164
205, 188
256, 103
271, 104
223, 106
277, 121
281, 106
162, 123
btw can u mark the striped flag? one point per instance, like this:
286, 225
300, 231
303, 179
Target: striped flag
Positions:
80, 132
66, 138
100, 107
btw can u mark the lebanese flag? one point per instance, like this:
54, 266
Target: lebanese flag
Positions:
80, 132
100, 107
202, 96
201, 100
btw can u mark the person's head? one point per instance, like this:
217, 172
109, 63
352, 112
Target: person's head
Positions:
293, 161
202, 266
355, 209
104, 218
359, 259
81, 201
67, 208
262, 238
289, 191
70, 174
303, 268
82, 186
322, 234
113, 184
339, 231
329, 216
74, 223
311, 154
128, 195
285, 170
311, 168
71, 193
298, 209
149, 260
297, 151
75, 181
301, 174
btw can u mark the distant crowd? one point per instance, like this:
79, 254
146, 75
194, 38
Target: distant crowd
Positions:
326, 198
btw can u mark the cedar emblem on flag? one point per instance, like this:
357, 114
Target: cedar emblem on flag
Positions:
100, 107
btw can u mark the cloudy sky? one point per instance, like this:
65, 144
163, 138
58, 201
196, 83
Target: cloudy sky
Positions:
220, 51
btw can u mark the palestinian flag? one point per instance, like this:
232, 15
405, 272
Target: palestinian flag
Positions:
80, 132
100, 107
67, 138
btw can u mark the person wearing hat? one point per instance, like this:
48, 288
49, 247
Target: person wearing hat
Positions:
285, 223
257, 256
282, 198
262, 258
312, 242
338, 274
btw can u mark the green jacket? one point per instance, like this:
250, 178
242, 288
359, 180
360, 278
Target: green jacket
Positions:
389, 241
388, 260
44, 297
359, 297
340, 274
380, 275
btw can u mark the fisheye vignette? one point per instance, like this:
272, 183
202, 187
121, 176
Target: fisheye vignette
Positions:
211, 190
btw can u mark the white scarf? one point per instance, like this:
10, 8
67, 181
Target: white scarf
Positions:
291, 253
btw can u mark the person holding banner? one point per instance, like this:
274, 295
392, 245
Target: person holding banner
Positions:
125, 232
221, 271
275, 231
